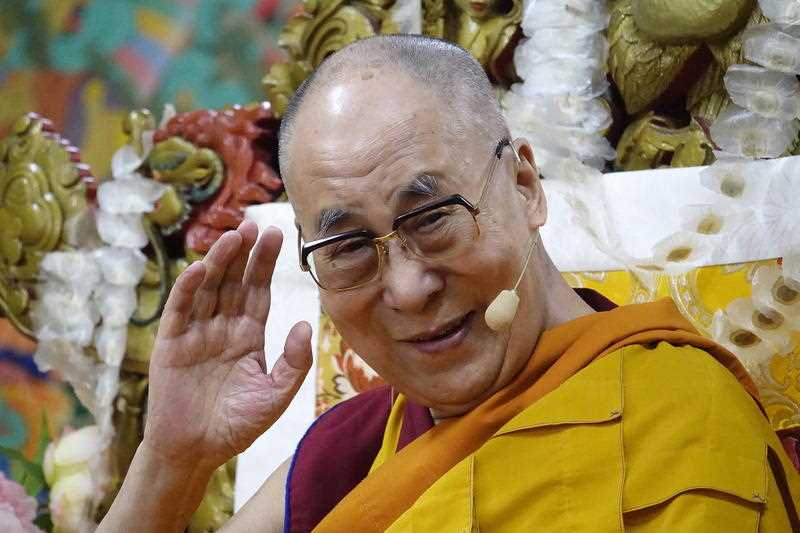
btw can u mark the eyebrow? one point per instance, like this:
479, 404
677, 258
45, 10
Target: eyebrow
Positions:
423, 186
328, 218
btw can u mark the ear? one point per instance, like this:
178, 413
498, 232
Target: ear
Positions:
529, 185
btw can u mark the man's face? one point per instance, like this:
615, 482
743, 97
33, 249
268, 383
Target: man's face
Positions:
357, 145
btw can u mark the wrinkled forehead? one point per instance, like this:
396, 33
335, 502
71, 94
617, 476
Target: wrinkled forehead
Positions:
354, 150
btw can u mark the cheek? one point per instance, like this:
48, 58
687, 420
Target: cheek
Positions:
342, 309
492, 261
354, 320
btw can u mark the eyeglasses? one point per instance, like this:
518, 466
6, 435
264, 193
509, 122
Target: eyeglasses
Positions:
442, 229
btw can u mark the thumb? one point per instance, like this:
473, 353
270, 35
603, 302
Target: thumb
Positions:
291, 368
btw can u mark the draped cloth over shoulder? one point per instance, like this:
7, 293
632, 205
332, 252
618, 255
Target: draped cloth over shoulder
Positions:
559, 354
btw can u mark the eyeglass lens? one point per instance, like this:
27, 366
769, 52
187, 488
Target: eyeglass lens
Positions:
440, 233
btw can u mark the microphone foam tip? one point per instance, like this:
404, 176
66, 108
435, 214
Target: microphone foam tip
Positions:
500, 313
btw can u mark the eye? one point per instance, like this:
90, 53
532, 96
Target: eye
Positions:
351, 247
428, 220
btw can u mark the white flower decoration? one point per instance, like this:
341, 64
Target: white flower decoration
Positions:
77, 270
558, 109
740, 180
780, 211
579, 42
67, 469
745, 133
87, 297
130, 195
772, 290
110, 342
563, 110
115, 303
791, 270
587, 14
768, 93
120, 266
714, 220
125, 230
784, 11
559, 75
125, 162
772, 46
679, 253
751, 350
62, 313
766, 322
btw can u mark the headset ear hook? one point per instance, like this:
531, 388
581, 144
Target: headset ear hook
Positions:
517, 158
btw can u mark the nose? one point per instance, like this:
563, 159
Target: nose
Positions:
409, 284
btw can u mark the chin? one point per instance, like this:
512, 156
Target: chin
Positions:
457, 391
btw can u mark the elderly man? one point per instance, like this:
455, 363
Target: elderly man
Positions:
416, 211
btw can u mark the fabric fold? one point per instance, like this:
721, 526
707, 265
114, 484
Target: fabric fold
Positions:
560, 353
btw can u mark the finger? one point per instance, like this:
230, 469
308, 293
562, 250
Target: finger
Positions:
230, 292
216, 262
178, 307
258, 276
291, 368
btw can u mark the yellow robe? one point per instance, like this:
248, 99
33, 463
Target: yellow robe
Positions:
657, 438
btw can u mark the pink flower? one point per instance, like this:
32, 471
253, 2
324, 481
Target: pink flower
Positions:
17, 509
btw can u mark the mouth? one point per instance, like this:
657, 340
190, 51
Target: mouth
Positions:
478, 7
445, 336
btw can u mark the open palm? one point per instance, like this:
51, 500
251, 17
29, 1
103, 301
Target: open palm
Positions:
210, 394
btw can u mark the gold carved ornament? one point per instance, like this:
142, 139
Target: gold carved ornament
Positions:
320, 30
42, 209
664, 52
486, 28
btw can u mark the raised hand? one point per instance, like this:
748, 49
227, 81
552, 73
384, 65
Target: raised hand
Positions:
210, 394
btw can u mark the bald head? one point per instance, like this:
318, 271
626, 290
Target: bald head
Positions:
439, 70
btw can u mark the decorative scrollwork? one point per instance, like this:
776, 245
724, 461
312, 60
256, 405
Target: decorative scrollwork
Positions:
42, 194
486, 28
320, 30
135, 124
654, 141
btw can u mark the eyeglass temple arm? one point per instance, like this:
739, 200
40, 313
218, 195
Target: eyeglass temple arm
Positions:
489, 175
303, 267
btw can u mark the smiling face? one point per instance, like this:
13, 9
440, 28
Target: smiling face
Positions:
357, 145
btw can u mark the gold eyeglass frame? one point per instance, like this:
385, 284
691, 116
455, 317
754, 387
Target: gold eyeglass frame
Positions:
380, 243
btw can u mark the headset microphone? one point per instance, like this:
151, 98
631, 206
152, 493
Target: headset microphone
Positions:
500, 313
